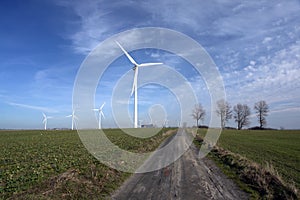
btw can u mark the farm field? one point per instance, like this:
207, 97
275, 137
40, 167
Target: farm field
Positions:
279, 148
37, 164
40, 164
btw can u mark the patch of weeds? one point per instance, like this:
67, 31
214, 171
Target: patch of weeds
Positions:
261, 182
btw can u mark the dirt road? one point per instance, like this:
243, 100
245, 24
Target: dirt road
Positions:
187, 178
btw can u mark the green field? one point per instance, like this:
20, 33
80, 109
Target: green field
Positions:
279, 148
54, 164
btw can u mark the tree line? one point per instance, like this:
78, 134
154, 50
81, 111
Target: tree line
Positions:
240, 113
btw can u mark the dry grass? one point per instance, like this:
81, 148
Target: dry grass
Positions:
73, 184
169, 132
265, 180
263, 163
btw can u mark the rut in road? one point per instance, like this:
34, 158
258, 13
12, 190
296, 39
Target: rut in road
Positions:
187, 178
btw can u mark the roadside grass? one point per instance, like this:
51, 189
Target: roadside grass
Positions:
36, 164
262, 162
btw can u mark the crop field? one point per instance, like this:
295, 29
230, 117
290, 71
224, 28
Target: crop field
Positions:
38, 164
279, 148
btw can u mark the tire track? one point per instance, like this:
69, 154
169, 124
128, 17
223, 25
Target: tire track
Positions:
187, 178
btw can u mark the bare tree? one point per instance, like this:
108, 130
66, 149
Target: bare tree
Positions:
241, 115
224, 111
261, 109
198, 113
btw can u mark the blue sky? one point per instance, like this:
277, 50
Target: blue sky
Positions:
255, 45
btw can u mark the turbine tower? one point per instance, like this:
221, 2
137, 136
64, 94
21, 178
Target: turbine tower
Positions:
45, 120
135, 68
100, 114
73, 118
166, 123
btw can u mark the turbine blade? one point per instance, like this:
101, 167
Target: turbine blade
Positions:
149, 64
132, 90
95, 109
102, 114
102, 106
134, 85
73, 115
69, 116
44, 115
127, 54
44, 121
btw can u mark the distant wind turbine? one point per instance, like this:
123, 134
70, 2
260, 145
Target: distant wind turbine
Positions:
100, 114
135, 68
45, 120
166, 123
178, 123
73, 118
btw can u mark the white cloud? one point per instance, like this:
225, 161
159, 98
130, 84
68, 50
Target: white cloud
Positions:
267, 40
155, 55
252, 62
242, 27
54, 77
275, 79
39, 108
253, 43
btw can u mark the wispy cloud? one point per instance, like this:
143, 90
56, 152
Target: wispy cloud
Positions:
232, 31
99, 20
255, 44
39, 108
270, 79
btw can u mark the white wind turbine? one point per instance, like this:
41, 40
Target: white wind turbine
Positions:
166, 123
73, 118
45, 120
135, 68
178, 123
100, 114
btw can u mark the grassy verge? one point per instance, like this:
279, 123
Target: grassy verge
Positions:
254, 159
55, 165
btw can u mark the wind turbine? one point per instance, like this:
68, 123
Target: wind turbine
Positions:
135, 68
178, 123
166, 123
100, 114
73, 118
45, 120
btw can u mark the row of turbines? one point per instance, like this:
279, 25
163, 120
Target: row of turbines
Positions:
73, 116
100, 116
135, 68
